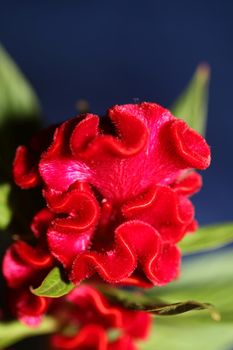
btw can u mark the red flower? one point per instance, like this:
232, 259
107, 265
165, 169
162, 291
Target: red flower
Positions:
119, 189
25, 166
93, 317
25, 266
152, 148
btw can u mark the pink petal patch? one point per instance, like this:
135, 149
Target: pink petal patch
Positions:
28, 308
135, 243
21, 262
58, 168
25, 169
99, 310
65, 246
25, 165
190, 146
89, 337
166, 211
188, 184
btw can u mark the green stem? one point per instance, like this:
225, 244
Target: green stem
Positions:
14, 331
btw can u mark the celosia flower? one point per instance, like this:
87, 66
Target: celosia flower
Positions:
25, 266
26, 170
90, 317
119, 188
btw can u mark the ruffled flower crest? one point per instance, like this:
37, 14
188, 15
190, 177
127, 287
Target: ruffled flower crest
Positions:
118, 189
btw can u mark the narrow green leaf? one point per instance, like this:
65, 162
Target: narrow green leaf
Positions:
5, 210
54, 285
192, 105
138, 301
182, 307
208, 238
207, 277
204, 277
14, 331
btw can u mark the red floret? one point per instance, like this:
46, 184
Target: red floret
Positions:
93, 317
118, 190
26, 266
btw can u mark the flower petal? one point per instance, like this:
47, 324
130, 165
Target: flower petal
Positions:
136, 243
25, 165
169, 213
188, 184
27, 307
167, 267
70, 235
137, 324
89, 337
133, 138
65, 242
84, 132
20, 263
25, 168
14, 270
41, 222
99, 310
151, 147
191, 147
58, 168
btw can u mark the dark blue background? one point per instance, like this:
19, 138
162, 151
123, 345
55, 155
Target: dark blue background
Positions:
110, 52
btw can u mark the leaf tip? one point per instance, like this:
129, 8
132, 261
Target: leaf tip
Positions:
203, 71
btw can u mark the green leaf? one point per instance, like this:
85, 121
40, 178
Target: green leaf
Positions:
19, 111
208, 238
178, 333
54, 285
180, 308
14, 331
207, 277
17, 97
204, 277
5, 210
192, 105
139, 301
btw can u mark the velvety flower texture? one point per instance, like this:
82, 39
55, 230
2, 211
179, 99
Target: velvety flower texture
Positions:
26, 266
118, 189
90, 317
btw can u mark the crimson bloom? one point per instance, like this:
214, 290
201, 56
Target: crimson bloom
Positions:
26, 266
91, 318
119, 189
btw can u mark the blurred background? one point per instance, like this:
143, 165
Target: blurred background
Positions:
113, 52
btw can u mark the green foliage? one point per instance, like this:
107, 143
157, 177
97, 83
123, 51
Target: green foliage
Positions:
14, 331
19, 110
19, 118
54, 285
208, 238
17, 98
206, 277
152, 304
192, 105
178, 333
5, 211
